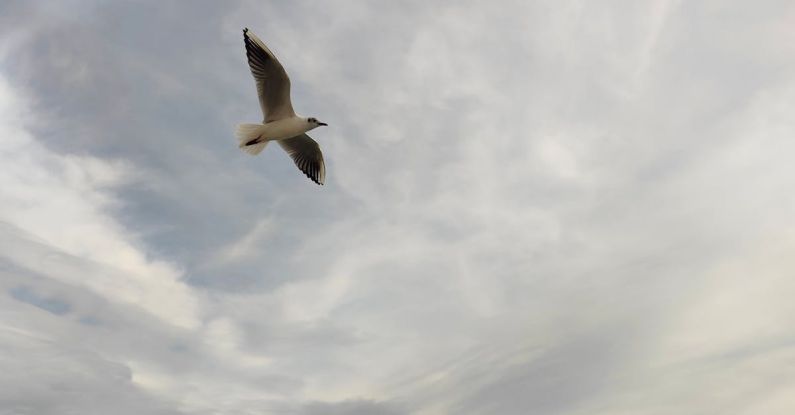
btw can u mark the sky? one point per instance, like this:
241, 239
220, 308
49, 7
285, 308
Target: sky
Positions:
548, 207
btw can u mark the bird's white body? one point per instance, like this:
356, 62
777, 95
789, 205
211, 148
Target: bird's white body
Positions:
253, 138
285, 128
251, 134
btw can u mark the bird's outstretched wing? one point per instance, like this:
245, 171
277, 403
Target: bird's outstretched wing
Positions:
273, 84
307, 156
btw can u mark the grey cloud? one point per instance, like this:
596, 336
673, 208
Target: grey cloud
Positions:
552, 207
52, 379
352, 407
51, 304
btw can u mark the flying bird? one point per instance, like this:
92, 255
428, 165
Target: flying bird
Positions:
280, 122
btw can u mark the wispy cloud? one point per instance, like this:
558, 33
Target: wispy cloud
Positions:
549, 207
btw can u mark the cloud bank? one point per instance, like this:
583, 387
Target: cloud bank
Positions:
547, 207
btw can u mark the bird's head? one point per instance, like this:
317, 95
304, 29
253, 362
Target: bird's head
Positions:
314, 123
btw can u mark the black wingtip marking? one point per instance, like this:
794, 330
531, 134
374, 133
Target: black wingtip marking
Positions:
254, 53
312, 176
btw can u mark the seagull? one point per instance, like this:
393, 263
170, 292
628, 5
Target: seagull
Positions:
280, 122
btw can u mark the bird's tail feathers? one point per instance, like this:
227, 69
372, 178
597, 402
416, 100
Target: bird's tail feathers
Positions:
249, 137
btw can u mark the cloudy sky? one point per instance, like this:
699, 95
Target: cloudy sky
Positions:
547, 207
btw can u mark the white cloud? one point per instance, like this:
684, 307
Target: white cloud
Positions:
62, 202
558, 207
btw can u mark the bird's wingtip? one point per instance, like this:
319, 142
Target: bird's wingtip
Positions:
245, 30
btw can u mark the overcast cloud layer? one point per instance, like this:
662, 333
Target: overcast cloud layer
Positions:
548, 207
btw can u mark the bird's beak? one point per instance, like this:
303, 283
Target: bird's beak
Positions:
322, 123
